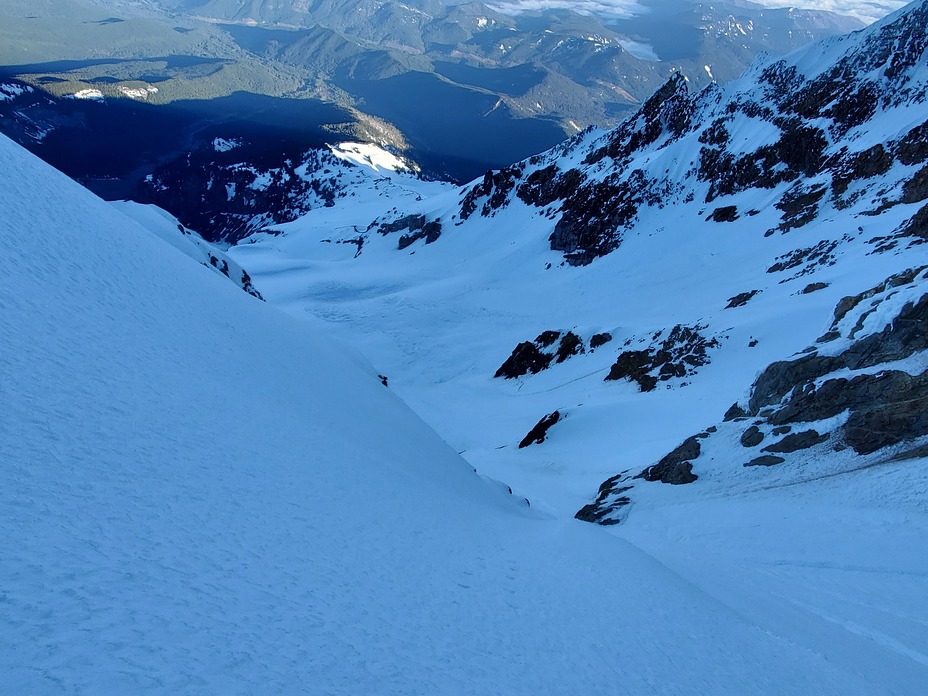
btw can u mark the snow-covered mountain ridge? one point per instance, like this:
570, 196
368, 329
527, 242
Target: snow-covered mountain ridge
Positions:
824, 121
201, 494
635, 282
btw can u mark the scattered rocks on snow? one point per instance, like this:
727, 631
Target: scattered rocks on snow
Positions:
766, 460
813, 287
679, 355
752, 437
741, 299
727, 213
609, 501
796, 441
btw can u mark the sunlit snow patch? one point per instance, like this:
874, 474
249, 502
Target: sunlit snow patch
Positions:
87, 94
10, 92
639, 49
225, 145
369, 155
138, 92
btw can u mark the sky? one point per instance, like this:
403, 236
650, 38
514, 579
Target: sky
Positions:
866, 10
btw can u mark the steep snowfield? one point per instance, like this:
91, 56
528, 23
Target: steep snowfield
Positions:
756, 208
201, 495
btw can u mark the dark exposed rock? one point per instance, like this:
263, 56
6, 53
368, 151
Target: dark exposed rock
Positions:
727, 213
917, 227
495, 187
430, 231
734, 412
813, 287
913, 148
796, 441
635, 364
592, 219
600, 339
667, 107
799, 206
547, 338
679, 355
715, 134
741, 299
609, 500
419, 228
407, 222
810, 258
569, 346
675, 468
779, 378
538, 355
545, 186
539, 431
897, 413
920, 452
915, 189
525, 359
782, 430
766, 460
752, 437
846, 304
861, 165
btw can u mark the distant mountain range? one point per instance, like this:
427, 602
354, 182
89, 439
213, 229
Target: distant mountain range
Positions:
457, 87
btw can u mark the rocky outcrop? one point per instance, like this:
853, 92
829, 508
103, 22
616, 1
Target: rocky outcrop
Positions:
680, 354
526, 358
861, 388
418, 226
741, 299
539, 431
533, 357
547, 348
676, 468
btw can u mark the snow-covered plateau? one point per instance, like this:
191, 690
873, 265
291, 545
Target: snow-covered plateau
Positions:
705, 331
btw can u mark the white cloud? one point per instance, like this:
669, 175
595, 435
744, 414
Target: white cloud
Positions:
612, 8
867, 10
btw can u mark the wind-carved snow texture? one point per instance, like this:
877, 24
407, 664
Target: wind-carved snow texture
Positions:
203, 494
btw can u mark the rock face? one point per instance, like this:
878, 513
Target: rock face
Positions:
539, 431
680, 354
533, 357
676, 467
862, 388
683, 148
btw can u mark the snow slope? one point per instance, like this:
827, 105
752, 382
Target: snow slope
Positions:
795, 193
201, 495
752, 211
